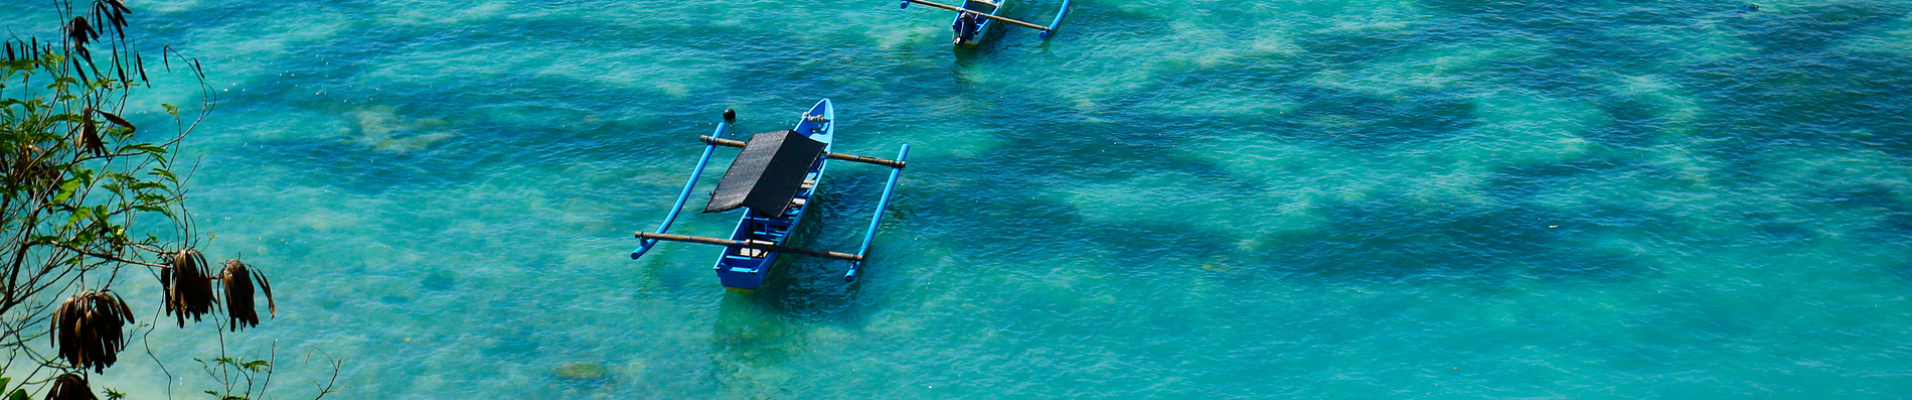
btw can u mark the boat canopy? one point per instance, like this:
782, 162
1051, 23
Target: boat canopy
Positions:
767, 174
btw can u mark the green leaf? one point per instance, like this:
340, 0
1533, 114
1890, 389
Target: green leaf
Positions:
78, 214
145, 147
171, 109
154, 209
164, 173
66, 190
18, 394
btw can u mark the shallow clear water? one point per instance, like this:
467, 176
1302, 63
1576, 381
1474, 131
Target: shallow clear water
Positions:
1215, 199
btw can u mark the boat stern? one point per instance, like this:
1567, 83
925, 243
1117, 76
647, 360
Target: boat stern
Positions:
743, 274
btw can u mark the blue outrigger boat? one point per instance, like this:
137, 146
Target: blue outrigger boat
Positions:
976, 16
773, 179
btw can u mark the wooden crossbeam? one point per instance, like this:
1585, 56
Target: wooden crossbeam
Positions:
728, 242
960, 9
834, 156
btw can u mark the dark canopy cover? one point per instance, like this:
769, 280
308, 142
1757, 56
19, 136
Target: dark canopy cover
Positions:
767, 174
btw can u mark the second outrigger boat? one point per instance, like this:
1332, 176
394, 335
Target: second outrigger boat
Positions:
974, 19
773, 179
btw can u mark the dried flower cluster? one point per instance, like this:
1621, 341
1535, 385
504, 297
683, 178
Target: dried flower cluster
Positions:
237, 279
88, 329
189, 289
188, 286
70, 387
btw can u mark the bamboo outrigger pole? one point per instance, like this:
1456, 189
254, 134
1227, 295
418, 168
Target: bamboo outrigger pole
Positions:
645, 245
728, 242
876, 218
834, 156
959, 9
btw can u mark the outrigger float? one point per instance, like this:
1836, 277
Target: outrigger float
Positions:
773, 179
974, 17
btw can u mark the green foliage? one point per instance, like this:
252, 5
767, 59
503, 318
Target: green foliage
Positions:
75, 175
85, 194
217, 395
17, 394
237, 376
249, 366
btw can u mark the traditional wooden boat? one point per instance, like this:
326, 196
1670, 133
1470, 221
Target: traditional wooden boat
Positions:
975, 17
773, 179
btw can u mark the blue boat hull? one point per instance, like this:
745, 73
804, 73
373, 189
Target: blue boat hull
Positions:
982, 26
744, 270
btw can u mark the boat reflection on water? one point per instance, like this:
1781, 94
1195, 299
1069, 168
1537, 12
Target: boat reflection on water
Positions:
752, 347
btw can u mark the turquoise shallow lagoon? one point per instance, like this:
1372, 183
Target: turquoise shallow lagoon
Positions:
1170, 199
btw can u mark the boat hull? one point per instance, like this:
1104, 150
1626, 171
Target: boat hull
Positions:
744, 270
982, 26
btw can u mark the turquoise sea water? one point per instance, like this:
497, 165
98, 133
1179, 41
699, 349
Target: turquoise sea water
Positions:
1169, 199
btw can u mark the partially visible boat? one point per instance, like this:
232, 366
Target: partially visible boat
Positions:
975, 17
969, 27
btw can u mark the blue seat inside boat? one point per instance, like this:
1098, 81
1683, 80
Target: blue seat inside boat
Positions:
771, 231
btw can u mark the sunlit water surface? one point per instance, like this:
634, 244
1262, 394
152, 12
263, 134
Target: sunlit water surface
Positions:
1176, 199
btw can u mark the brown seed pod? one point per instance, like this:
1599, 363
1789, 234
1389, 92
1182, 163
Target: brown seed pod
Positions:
70, 387
80, 31
81, 69
115, 118
89, 139
237, 280
188, 287
272, 307
88, 329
